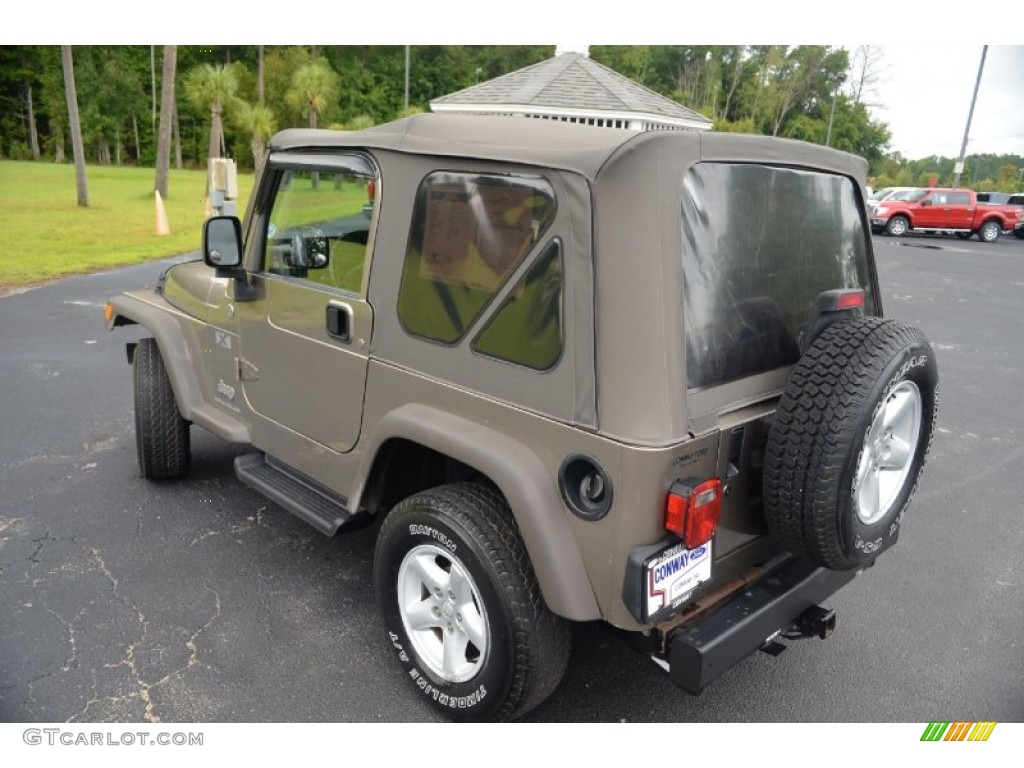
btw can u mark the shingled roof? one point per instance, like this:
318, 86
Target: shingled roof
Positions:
573, 87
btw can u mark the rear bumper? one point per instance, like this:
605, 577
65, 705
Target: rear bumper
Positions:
698, 653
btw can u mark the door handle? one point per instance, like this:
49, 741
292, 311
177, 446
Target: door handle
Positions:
339, 321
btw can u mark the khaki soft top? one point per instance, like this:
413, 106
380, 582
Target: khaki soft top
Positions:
582, 149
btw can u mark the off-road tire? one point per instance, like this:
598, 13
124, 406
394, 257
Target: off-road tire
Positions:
819, 441
470, 529
161, 434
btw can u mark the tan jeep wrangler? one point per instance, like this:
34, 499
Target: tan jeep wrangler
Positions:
581, 374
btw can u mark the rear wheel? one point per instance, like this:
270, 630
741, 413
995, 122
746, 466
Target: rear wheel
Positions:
897, 226
462, 606
849, 441
161, 434
989, 231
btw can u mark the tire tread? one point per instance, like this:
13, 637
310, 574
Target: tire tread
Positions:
162, 435
815, 424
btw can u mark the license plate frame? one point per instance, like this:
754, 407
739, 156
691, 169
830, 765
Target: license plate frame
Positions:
671, 575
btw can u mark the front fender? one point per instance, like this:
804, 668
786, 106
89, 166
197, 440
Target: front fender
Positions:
521, 476
166, 324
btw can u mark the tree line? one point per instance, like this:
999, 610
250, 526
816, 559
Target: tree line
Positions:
228, 100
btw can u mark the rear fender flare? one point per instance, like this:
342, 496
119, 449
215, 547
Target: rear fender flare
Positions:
520, 475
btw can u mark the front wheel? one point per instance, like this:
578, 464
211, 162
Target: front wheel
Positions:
161, 434
989, 231
462, 606
897, 226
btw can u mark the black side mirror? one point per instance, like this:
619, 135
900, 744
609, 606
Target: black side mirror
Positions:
927, 201
222, 244
222, 250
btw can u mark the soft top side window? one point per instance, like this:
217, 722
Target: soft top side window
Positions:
527, 328
469, 233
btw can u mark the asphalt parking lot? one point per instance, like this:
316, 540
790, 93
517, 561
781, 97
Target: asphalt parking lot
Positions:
200, 601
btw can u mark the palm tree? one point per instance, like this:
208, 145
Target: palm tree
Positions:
212, 87
315, 87
258, 121
76, 126
163, 150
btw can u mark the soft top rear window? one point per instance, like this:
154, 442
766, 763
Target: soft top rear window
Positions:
759, 244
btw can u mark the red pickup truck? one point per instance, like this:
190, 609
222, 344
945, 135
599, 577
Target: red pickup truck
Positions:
941, 209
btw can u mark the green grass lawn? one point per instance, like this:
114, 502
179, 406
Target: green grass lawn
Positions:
47, 235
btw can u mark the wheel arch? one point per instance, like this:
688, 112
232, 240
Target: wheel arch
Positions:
163, 326
164, 323
467, 448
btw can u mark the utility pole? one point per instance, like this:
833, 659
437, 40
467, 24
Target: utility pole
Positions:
959, 167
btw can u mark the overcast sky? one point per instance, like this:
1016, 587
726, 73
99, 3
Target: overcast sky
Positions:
924, 94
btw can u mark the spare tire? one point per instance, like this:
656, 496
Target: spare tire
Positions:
849, 441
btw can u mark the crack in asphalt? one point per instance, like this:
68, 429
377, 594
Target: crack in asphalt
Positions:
131, 662
129, 659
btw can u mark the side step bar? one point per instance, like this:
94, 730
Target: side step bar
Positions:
305, 498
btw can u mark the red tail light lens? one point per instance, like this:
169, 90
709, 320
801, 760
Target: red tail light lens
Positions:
371, 190
692, 510
850, 300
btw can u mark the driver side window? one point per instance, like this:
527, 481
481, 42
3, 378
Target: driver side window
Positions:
318, 228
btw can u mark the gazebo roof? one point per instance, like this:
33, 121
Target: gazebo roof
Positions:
570, 81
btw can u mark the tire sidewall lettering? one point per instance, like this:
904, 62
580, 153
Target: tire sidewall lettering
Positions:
422, 526
444, 699
430, 532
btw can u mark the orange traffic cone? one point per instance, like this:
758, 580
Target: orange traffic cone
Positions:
162, 227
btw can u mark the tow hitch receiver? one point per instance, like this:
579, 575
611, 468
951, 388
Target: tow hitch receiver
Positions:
782, 605
814, 622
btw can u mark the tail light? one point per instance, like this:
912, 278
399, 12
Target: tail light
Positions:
371, 190
849, 299
830, 307
692, 510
